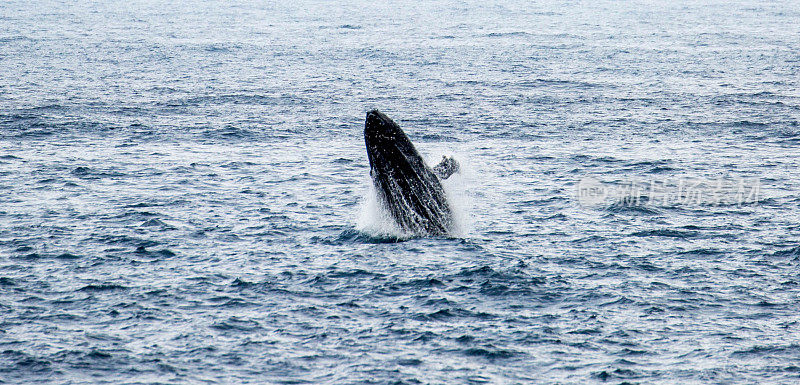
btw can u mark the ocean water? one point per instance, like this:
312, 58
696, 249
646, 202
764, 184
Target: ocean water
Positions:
184, 192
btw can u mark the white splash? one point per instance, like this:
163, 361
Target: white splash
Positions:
456, 188
373, 218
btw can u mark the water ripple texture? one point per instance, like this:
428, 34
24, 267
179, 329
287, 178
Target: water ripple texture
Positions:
183, 187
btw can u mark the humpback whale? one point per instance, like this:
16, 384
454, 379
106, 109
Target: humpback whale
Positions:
410, 190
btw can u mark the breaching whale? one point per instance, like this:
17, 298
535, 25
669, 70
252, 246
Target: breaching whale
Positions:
409, 189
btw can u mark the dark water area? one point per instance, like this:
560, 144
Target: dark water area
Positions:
184, 192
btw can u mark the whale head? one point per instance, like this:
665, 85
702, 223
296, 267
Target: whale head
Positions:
379, 127
387, 145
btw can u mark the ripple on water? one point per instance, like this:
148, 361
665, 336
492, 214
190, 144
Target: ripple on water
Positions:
168, 215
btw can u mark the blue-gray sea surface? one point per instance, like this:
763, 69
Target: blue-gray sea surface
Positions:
182, 186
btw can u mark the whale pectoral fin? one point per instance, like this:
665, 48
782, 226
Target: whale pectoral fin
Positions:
448, 166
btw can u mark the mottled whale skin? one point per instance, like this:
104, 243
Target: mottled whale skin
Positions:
410, 190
